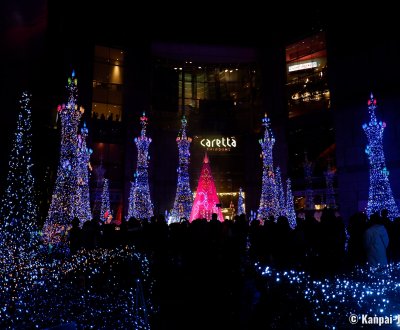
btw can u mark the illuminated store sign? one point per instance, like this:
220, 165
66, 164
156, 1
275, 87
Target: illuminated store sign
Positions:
303, 66
218, 144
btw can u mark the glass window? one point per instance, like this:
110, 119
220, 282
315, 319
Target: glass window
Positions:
105, 111
307, 84
108, 72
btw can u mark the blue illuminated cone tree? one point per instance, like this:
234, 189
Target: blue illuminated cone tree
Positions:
280, 209
380, 194
140, 205
18, 213
184, 197
268, 200
241, 208
105, 202
290, 209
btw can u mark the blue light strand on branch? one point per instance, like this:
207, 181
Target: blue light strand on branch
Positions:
268, 199
184, 198
380, 194
367, 290
65, 200
140, 205
37, 291
18, 214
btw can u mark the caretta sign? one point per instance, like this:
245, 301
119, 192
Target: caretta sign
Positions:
218, 143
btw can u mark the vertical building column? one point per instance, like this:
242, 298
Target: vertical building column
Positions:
136, 95
273, 76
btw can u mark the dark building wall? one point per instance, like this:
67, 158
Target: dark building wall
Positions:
360, 60
136, 101
361, 63
164, 126
165, 162
273, 73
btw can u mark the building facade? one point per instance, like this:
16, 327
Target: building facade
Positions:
313, 86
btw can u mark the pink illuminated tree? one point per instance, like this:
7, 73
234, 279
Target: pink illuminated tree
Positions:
206, 201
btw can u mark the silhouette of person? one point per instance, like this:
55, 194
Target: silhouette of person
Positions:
74, 236
376, 240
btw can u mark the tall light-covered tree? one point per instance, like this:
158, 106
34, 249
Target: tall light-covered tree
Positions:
330, 200
131, 198
105, 201
290, 209
268, 198
99, 172
380, 194
184, 197
308, 170
64, 202
241, 208
140, 205
83, 211
18, 216
280, 194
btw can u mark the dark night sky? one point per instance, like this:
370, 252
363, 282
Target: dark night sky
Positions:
33, 33
31, 28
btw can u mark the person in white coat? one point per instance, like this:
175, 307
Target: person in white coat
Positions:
376, 241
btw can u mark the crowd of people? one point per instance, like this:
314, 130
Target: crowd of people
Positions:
326, 243
210, 263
